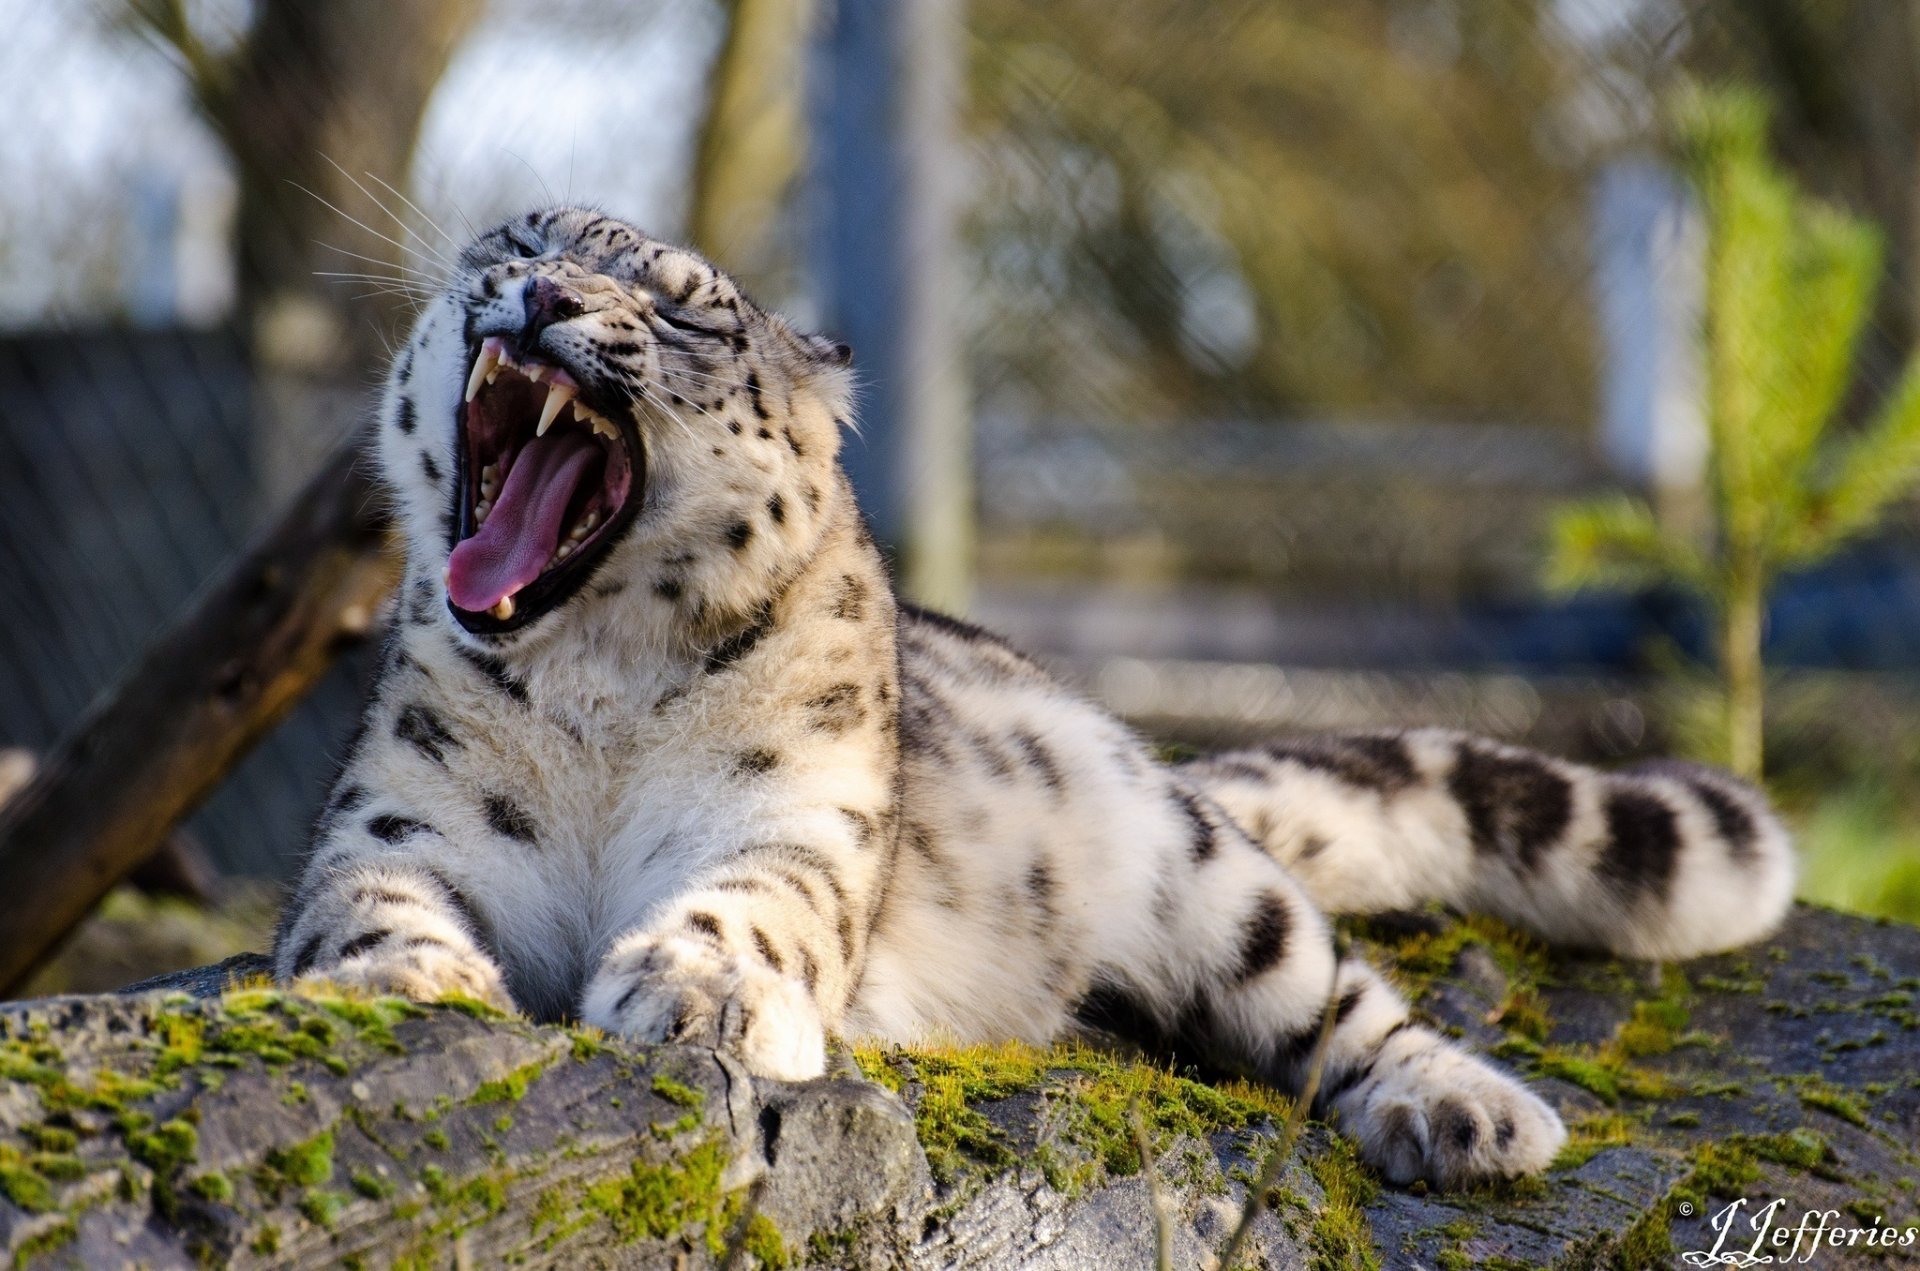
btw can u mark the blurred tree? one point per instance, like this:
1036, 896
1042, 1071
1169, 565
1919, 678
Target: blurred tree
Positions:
1373, 207
752, 140
1790, 284
1845, 81
317, 103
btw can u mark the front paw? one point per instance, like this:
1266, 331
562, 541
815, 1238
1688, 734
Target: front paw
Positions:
423, 970
685, 991
1436, 1112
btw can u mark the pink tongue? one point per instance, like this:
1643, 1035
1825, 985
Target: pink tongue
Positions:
523, 529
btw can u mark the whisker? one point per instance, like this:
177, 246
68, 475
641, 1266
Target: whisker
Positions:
406, 229
430, 222
402, 266
351, 219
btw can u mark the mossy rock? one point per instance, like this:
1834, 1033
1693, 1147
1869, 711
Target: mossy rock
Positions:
231, 1124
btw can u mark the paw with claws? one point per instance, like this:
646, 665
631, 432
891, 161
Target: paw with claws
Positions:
1432, 1111
422, 969
688, 992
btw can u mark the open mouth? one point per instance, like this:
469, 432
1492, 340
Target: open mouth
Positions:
546, 482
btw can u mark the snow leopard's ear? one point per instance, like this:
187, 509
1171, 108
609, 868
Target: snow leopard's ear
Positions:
827, 350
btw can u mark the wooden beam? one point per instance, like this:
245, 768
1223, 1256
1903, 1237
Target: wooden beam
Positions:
148, 750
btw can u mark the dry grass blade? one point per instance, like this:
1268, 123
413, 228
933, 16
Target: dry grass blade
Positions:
1283, 1148
1156, 1192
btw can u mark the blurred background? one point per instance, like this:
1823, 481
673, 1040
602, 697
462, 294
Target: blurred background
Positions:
1235, 356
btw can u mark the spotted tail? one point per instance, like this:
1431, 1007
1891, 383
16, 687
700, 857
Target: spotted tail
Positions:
1665, 860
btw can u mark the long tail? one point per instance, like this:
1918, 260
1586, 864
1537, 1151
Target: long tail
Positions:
1666, 860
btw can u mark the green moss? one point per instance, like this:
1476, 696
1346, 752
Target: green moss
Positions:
1841, 1103
762, 1241
51, 1138
502, 1123
167, 1148
657, 1201
587, 1042
304, 1164
1341, 1236
371, 1185
266, 1241
322, 1207
214, 1186
1088, 1093
677, 1092
472, 1006
1802, 1149
436, 1138
1656, 1025
1589, 1137
25, 1187
45, 1244
510, 1088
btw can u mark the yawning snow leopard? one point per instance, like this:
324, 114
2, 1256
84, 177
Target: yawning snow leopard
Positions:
655, 746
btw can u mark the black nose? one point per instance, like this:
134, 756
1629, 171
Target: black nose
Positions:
545, 303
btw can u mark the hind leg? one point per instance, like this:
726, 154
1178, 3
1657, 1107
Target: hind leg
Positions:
1242, 967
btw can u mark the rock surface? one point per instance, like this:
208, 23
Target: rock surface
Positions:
180, 1125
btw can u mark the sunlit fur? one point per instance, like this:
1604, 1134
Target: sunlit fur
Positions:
731, 793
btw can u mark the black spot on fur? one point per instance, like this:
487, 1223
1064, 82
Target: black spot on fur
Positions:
495, 672
420, 728
741, 642
1040, 759
847, 943
739, 534
404, 371
1201, 845
403, 418
1042, 888
1734, 823
777, 509
1110, 1009
809, 970
1377, 763
361, 943
1515, 805
471, 919
793, 443
1263, 938
849, 599
863, 825
706, 924
309, 954
384, 896
768, 954
429, 469
668, 589
1643, 845
838, 710
393, 829
1312, 847
753, 394
420, 602
510, 820
754, 762
1348, 1000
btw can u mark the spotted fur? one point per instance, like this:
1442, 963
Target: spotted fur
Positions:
730, 792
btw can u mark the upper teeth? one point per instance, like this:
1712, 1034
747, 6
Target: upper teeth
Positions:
561, 390
558, 395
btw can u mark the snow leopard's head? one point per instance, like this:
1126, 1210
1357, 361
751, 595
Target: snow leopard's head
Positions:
586, 405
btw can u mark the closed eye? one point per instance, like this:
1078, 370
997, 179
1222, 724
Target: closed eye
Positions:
680, 322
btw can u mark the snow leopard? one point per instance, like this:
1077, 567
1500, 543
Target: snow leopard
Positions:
656, 746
